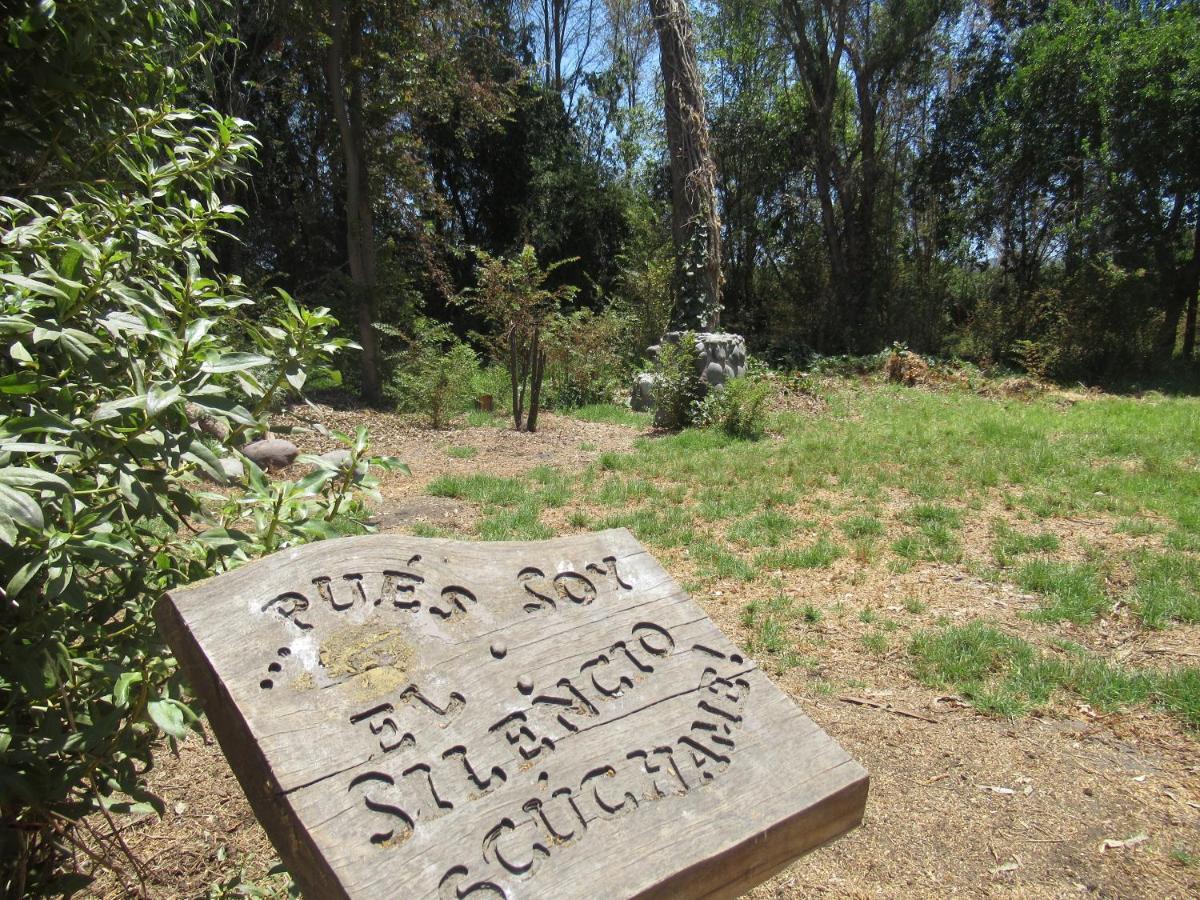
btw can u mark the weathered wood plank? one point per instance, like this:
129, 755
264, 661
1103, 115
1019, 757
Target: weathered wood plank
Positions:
427, 718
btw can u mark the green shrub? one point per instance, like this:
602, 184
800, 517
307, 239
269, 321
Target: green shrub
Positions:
513, 298
739, 407
492, 380
436, 376
677, 388
587, 358
118, 336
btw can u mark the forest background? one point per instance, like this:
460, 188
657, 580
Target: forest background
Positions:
1006, 182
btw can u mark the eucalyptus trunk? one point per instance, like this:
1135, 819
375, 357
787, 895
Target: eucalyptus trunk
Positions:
695, 225
346, 95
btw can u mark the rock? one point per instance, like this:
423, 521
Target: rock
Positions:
714, 374
643, 392
233, 469
720, 357
272, 453
207, 424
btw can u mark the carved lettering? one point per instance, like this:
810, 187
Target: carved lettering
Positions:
559, 816
397, 825
517, 731
613, 792
569, 585
661, 760
577, 588
511, 845
531, 578
351, 595
569, 700
289, 605
495, 778
611, 675
654, 639
400, 588
455, 601
274, 669
383, 724
451, 886
609, 569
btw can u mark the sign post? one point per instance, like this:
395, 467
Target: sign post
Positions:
416, 717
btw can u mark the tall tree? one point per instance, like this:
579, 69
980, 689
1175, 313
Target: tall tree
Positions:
853, 58
695, 223
343, 67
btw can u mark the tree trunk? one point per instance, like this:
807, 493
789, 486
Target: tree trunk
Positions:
517, 379
538, 356
1189, 330
1189, 288
360, 220
695, 223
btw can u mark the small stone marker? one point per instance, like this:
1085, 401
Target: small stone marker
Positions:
428, 718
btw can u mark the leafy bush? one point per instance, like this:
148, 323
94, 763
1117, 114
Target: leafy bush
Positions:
436, 375
677, 388
587, 359
511, 295
739, 407
646, 298
117, 337
1097, 321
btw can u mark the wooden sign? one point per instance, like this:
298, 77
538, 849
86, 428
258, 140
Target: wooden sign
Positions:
427, 718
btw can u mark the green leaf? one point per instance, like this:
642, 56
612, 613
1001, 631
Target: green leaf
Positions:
19, 354
235, 362
21, 508
217, 538
161, 397
20, 383
319, 529
21, 476
124, 683
29, 284
199, 453
391, 464
118, 322
15, 325
196, 330
169, 715
114, 408
24, 575
28, 447
295, 377
78, 344
8, 530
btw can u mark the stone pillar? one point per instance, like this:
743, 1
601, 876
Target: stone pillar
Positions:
720, 356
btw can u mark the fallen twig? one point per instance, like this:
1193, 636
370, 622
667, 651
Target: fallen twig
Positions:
886, 707
1171, 651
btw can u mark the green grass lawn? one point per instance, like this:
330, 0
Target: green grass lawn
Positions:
890, 479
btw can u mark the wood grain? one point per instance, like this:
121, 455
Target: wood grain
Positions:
427, 718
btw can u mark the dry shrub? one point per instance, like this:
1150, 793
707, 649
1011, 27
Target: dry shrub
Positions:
1019, 388
905, 367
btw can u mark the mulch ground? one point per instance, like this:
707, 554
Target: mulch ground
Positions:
960, 804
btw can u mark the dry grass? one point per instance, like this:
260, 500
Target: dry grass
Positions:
961, 802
